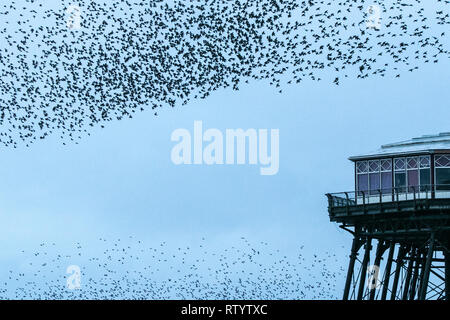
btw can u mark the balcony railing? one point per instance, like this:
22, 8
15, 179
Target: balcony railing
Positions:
354, 198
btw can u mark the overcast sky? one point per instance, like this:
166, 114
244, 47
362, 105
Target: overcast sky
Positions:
120, 180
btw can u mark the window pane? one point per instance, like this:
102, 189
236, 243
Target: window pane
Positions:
386, 165
412, 163
374, 166
374, 179
443, 178
442, 161
363, 182
400, 164
400, 181
425, 179
362, 167
386, 182
413, 180
425, 162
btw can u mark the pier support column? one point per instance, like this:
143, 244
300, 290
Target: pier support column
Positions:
412, 290
398, 268
356, 245
363, 275
381, 247
447, 273
427, 268
409, 273
388, 271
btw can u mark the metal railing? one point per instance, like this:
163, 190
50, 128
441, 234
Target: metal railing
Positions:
353, 198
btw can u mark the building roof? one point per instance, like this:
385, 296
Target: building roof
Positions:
422, 145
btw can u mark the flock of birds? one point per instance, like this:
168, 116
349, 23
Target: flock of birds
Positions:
126, 56
64, 76
128, 269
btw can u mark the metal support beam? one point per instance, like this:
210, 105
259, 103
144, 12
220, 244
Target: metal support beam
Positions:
399, 263
427, 267
447, 274
388, 271
356, 245
365, 262
408, 274
412, 290
381, 247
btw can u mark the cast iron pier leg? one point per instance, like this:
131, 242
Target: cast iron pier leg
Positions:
412, 291
381, 247
398, 268
409, 273
388, 271
427, 267
447, 274
355, 248
362, 278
